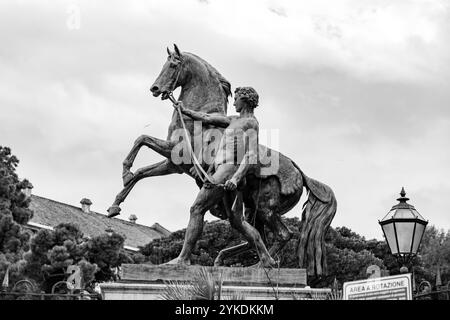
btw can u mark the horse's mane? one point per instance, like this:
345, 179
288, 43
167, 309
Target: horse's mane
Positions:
224, 83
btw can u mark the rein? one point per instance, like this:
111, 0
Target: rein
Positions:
207, 180
202, 174
197, 166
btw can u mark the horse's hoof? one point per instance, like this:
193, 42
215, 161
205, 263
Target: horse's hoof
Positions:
127, 176
114, 210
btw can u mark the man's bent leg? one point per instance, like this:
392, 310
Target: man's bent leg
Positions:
206, 199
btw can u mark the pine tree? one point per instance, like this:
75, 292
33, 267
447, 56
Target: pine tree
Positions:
107, 252
14, 213
52, 251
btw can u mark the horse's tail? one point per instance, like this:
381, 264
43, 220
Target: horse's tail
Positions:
318, 212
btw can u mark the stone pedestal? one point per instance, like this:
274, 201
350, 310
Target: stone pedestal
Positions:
148, 282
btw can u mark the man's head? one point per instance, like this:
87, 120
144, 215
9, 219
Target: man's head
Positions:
245, 96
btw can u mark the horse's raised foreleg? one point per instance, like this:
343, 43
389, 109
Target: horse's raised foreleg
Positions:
163, 147
162, 168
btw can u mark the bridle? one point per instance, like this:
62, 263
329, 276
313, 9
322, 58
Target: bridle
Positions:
180, 69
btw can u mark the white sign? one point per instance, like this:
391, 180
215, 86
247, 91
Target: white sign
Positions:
387, 288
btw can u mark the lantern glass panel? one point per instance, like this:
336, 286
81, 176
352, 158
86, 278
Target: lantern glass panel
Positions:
405, 231
404, 214
420, 228
390, 237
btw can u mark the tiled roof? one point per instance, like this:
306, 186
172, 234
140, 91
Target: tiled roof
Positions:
51, 213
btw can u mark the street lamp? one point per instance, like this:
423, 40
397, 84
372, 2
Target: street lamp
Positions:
403, 228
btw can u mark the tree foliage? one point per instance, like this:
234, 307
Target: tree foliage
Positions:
107, 252
45, 258
48, 254
348, 254
14, 212
52, 251
434, 254
216, 236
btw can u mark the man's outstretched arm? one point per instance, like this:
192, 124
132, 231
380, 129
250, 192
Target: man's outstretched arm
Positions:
216, 120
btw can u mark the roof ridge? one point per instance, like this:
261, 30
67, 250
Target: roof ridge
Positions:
99, 214
160, 226
66, 204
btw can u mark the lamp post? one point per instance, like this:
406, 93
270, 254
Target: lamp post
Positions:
403, 229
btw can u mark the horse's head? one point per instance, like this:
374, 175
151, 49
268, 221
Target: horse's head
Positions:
193, 74
168, 79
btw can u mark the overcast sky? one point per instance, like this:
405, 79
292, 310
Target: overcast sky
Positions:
358, 90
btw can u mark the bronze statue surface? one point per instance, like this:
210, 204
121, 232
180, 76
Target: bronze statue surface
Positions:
268, 189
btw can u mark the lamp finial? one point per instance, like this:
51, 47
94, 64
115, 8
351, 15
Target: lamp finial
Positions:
402, 198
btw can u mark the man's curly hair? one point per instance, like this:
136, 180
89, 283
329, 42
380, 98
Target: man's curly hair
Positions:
250, 95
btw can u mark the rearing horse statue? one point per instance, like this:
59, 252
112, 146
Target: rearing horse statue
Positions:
267, 196
202, 88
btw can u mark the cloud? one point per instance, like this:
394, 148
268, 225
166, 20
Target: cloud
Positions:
356, 88
385, 41
278, 11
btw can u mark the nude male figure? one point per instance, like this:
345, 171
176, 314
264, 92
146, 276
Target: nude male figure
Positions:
228, 170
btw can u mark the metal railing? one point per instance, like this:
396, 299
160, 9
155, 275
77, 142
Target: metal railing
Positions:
47, 296
441, 293
26, 290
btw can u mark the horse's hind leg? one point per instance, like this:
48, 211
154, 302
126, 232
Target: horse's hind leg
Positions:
280, 230
269, 204
240, 248
163, 147
162, 168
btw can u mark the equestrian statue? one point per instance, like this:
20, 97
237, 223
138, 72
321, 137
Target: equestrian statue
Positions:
240, 180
